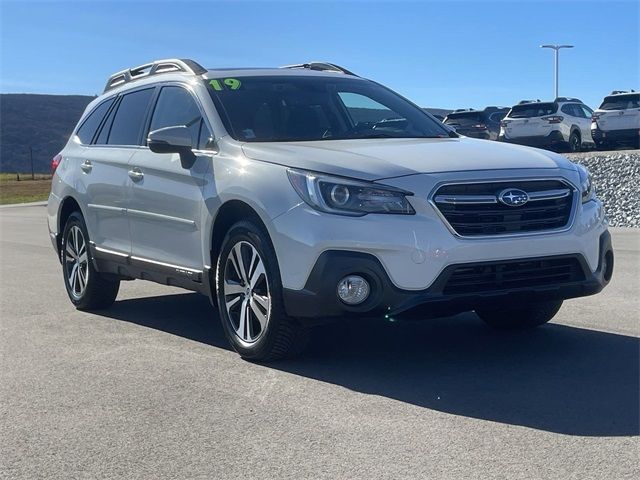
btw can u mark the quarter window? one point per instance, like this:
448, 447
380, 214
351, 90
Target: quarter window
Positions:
128, 120
88, 128
176, 107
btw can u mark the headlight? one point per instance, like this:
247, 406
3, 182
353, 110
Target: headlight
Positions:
348, 197
587, 189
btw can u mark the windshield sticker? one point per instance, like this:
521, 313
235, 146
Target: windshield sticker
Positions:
225, 83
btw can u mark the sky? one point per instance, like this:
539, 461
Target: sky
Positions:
447, 54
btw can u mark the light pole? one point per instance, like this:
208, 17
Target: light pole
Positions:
557, 49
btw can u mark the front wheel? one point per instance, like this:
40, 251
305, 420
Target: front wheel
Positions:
526, 315
86, 287
249, 293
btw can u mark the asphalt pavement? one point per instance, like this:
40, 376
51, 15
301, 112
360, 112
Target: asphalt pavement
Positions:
149, 389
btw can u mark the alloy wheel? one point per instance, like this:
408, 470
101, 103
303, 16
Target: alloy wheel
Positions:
76, 262
246, 292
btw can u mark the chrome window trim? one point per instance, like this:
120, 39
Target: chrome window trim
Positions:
572, 216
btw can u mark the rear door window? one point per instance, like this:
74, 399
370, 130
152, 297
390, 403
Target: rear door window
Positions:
129, 119
87, 130
573, 110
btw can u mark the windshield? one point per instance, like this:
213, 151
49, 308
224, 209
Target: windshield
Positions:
621, 102
292, 108
530, 110
464, 119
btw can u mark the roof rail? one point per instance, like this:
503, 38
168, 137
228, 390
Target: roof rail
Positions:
568, 99
154, 68
321, 67
463, 110
522, 102
618, 92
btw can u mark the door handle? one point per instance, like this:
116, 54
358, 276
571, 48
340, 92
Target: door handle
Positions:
86, 166
136, 174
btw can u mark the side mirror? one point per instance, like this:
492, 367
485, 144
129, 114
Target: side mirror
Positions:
173, 140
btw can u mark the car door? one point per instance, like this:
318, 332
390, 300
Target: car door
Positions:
166, 199
105, 168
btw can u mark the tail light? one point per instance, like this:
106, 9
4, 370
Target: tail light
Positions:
553, 119
595, 117
55, 161
504, 123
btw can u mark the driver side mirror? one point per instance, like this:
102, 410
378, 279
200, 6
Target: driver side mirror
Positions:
173, 140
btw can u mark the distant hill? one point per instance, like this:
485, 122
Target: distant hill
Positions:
42, 122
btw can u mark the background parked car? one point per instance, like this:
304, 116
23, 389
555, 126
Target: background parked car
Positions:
617, 121
564, 124
483, 124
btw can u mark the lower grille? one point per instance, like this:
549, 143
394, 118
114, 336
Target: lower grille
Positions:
513, 274
476, 209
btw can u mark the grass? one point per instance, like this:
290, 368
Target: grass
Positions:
25, 190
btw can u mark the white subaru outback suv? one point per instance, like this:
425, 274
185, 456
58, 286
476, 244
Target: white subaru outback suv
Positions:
617, 121
299, 195
564, 124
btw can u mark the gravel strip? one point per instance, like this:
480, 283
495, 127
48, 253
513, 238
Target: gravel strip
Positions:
616, 176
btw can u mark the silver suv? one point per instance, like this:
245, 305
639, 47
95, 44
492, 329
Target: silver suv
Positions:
298, 195
564, 124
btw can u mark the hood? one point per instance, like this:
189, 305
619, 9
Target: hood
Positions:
377, 159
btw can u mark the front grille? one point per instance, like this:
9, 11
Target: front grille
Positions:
513, 274
473, 209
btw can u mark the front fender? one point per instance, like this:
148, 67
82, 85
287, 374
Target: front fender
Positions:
264, 187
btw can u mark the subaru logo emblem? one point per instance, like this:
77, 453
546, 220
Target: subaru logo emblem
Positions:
513, 197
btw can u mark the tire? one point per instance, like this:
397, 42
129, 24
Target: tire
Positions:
249, 294
575, 142
524, 316
86, 287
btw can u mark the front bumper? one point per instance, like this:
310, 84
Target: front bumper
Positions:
318, 301
554, 139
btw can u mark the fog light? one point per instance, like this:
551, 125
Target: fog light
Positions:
353, 289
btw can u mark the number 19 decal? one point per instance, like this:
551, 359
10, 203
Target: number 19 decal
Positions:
225, 83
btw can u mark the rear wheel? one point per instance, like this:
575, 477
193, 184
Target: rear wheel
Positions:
249, 293
575, 143
526, 315
87, 288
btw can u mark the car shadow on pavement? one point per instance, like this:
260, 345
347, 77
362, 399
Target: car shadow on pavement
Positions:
556, 378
